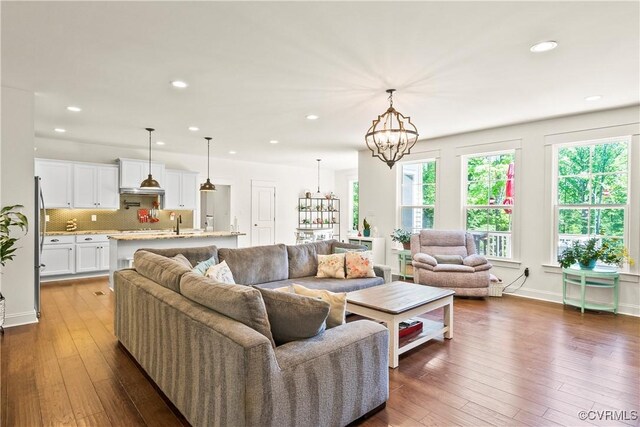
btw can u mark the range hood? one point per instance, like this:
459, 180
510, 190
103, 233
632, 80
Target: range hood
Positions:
147, 191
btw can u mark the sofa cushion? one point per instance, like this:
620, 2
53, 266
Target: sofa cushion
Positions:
241, 303
303, 260
425, 259
336, 300
194, 255
220, 273
203, 266
359, 264
183, 260
331, 266
333, 285
257, 264
324, 247
294, 317
454, 267
162, 270
448, 259
475, 260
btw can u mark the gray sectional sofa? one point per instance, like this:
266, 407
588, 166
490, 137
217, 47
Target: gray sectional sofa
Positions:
217, 370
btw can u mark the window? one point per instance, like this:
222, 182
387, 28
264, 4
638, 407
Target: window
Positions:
417, 195
592, 192
489, 202
354, 198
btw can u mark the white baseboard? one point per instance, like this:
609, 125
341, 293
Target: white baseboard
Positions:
628, 309
17, 319
52, 279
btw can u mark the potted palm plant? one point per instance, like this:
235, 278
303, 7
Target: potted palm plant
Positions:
10, 219
587, 253
366, 228
402, 236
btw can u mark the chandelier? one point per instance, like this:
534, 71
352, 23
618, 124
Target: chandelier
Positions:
207, 186
392, 135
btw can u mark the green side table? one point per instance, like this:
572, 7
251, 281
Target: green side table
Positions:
404, 258
599, 277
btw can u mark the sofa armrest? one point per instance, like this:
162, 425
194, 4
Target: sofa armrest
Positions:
475, 260
417, 264
425, 259
331, 379
383, 271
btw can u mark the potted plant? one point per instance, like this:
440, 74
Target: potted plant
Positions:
10, 218
366, 228
403, 236
587, 253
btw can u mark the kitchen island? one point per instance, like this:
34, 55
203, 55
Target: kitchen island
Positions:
122, 246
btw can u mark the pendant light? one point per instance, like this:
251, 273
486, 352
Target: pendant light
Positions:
208, 186
392, 135
318, 193
150, 182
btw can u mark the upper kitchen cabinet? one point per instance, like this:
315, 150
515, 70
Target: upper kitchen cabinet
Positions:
133, 172
56, 182
181, 190
95, 186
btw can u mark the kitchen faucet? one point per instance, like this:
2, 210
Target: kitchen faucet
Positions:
178, 222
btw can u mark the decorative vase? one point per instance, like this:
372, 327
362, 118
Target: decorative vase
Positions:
589, 266
366, 232
406, 245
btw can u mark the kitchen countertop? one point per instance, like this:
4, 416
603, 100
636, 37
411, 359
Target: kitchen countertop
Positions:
79, 232
186, 235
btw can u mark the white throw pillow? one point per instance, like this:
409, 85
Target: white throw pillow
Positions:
220, 273
337, 300
331, 266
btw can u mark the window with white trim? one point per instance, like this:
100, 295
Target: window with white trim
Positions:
353, 205
489, 196
417, 195
591, 192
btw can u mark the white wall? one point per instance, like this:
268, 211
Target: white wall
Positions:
290, 181
342, 178
533, 215
16, 179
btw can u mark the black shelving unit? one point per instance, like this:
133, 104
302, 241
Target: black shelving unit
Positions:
316, 213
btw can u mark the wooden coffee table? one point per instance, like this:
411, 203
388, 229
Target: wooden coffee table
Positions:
397, 301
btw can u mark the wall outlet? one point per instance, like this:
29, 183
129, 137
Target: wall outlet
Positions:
526, 272
46, 218
94, 217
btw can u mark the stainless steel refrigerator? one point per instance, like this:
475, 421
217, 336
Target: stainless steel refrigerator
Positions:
40, 226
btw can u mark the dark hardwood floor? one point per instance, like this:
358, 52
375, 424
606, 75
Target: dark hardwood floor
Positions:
511, 362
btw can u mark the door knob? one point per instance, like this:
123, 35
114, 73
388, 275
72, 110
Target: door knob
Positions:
255, 225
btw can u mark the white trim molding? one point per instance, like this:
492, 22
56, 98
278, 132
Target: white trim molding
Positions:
17, 319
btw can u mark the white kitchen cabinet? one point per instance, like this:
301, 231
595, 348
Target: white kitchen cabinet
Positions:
95, 186
58, 259
181, 190
56, 182
87, 257
104, 256
133, 172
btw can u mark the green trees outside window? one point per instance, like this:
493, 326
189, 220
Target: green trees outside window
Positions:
592, 192
418, 195
490, 188
355, 205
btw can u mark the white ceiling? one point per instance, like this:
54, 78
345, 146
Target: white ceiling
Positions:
257, 69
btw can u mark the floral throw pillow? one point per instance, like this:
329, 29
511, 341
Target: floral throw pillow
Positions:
220, 273
359, 264
331, 266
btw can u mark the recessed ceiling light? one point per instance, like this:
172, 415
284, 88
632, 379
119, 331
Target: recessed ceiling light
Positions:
160, 142
179, 84
593, 98
194, 128
273, 141
60, 130
313, 117
232, 152
74, 108
544, 46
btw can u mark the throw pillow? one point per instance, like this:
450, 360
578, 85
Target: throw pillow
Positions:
293, 317
337, 301
183, 260
221, 273
359, 264
448, 259
331, 266
202, 267
339, 250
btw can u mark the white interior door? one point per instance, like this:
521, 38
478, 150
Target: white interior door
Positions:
263, 213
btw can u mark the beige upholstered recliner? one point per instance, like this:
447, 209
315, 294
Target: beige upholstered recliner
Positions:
448, 259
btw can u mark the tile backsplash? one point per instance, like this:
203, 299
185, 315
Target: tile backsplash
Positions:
121, 219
